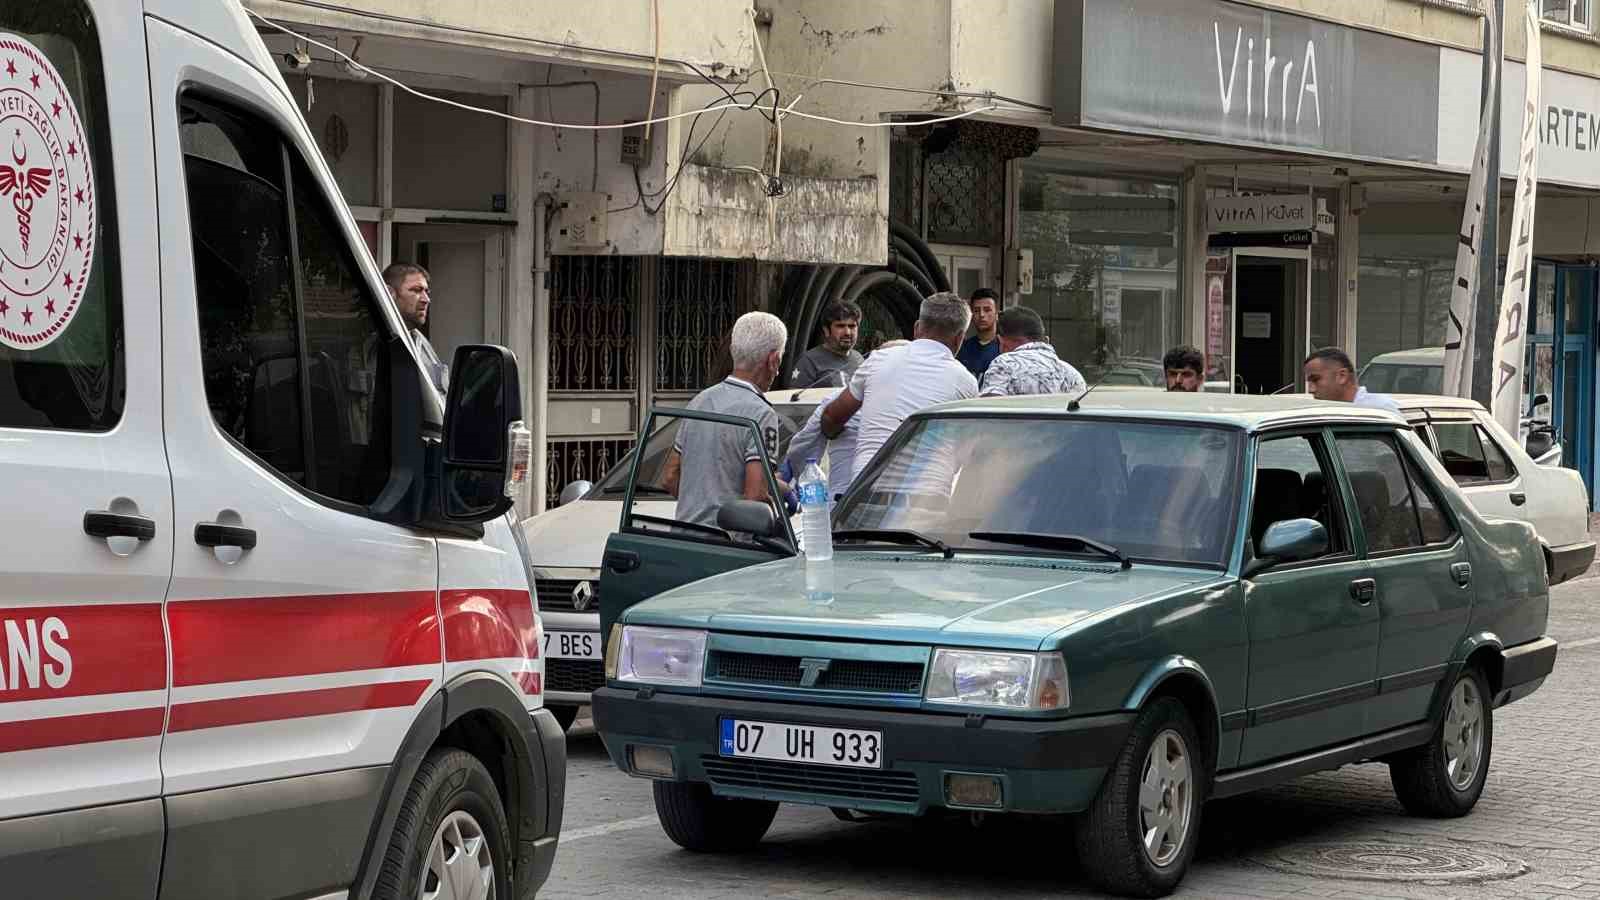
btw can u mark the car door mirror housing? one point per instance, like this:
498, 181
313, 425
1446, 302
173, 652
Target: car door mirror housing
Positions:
486, 449
574, 490
1291, 540
751, 517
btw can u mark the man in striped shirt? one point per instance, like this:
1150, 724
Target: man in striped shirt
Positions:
1027, 364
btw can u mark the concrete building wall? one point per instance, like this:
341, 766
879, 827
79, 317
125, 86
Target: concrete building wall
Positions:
708, 33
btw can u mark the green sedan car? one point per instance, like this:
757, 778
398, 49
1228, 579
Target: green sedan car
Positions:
1117, 608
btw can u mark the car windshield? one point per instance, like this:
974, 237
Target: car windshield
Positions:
612, 485
1391, 378
1153, 491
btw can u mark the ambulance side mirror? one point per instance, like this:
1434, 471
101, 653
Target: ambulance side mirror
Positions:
487, 448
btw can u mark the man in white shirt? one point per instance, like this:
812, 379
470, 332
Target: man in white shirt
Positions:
1027, 364
1331, 376
809, 442
894, 383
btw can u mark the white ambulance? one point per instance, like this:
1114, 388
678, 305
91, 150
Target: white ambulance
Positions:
265, 628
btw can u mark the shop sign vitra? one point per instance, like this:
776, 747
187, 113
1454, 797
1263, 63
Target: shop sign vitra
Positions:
1262, 212
1240, 74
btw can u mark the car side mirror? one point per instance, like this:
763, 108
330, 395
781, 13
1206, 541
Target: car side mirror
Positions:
487, 448
573, 491
1291, 540
750, 516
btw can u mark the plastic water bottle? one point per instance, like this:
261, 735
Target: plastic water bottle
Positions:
816, 524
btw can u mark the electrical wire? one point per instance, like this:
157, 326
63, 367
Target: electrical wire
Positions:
608, 126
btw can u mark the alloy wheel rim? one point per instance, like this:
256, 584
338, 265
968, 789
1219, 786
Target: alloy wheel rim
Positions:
1463, 735
1166, 798
459, 864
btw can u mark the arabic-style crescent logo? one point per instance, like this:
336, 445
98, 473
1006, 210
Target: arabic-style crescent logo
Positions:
47, 199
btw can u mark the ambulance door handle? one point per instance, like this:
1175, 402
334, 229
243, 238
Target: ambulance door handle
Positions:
102, 524
216, 534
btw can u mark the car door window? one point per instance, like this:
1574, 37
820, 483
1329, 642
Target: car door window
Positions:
295, 365
1431, 518
1462, 452
1382, 490
1495, 460
61, 335
1292, 482
700, 464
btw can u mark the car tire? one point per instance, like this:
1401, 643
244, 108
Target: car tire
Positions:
564, 715
1445, 777
696, 819
1164, 750
451, 823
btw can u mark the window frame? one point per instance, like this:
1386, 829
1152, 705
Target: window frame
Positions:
1578, 17
1332, 470
1483, 436
1407, 463
1487, 434
286, 159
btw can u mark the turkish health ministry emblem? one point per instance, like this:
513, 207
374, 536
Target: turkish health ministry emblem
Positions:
46, 199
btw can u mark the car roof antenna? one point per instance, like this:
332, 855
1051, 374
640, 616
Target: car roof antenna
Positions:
1074, 404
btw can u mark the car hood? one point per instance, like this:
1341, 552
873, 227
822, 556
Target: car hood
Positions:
987, 601
574, 536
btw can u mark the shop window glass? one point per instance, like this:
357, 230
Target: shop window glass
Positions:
61, 337
1407, 265
1106, 269
450, 158
1572, 13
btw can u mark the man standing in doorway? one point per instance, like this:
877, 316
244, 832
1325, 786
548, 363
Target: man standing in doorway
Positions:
1185, 368
1027, 363
408, 285
1331, 376
837, 352
978, 351
898, 381
711, 463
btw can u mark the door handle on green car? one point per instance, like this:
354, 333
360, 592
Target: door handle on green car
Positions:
1362, 590
621, 561
1462, 573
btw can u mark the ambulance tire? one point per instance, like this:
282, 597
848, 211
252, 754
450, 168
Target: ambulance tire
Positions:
451, 797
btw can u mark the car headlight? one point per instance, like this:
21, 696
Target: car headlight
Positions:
673, 656
998, 680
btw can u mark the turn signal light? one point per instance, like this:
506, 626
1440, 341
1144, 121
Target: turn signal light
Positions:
519, 450
972, 791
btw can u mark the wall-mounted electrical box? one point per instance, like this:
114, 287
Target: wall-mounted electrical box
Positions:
580, 223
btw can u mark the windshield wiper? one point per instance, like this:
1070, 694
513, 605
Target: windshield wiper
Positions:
896, 536
644, 490
1069, 542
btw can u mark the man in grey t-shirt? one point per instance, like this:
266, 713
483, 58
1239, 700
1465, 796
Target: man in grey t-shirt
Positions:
840, 324
712, 463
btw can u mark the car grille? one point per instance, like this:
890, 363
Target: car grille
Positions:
828, 781
841, 675
580, 676
555, 594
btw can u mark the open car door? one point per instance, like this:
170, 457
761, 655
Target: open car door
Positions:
650, 553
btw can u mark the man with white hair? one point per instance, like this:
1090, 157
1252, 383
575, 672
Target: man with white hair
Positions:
711, 463
893, 384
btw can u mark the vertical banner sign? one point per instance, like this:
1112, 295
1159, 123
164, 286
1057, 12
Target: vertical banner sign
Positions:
1506, 393
1458, 330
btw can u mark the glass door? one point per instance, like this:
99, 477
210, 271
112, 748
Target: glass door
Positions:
1561, 359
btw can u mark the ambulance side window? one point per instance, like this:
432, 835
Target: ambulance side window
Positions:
61, 337
293, 345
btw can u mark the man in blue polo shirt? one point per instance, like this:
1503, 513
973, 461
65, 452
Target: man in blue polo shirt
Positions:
978, 351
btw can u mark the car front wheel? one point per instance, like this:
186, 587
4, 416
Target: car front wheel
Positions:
451, 838
1139, 835
698, 820
1445, 777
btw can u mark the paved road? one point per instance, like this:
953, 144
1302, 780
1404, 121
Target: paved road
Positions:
1539, 817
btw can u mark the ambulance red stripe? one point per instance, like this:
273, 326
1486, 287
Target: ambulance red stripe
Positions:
294, 705
217, 641
112, 647
35, 734
488, 624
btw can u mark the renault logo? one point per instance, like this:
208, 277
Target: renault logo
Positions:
810, 669
582, 596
